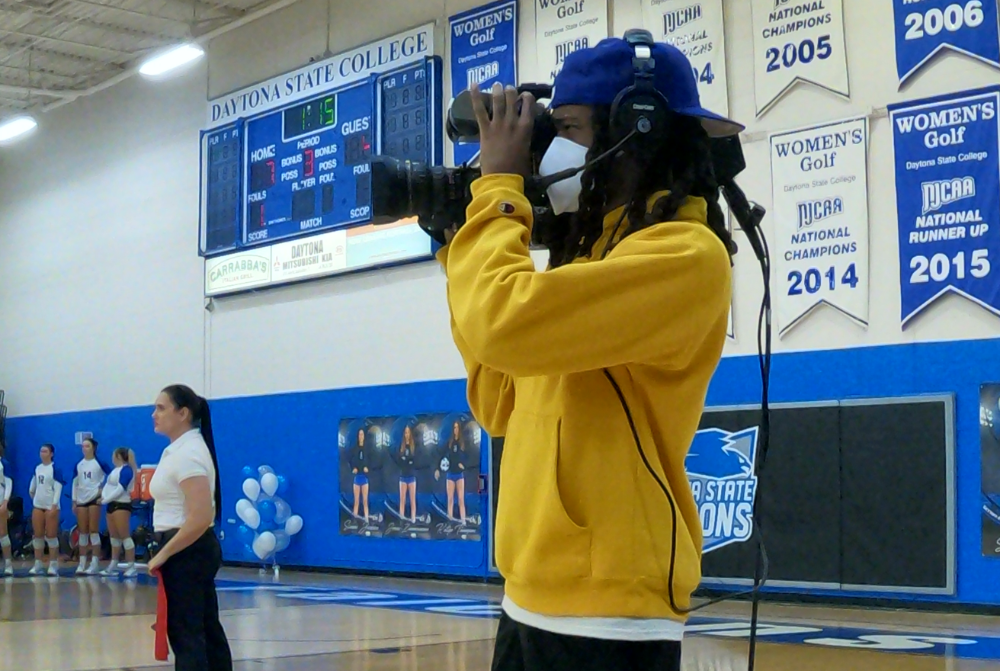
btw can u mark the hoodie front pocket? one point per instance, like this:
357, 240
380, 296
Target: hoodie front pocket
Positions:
536, 538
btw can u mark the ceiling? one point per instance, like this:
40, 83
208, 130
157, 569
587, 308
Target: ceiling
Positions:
55, 51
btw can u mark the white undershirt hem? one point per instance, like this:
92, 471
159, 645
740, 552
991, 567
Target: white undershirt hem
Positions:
609, 628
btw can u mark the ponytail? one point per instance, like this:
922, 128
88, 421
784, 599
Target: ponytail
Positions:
204, 419
128, 456
183, 396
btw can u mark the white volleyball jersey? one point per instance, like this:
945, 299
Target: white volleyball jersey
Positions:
44, 489
118, 488
89, 477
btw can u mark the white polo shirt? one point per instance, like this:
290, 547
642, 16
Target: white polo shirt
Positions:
187, 457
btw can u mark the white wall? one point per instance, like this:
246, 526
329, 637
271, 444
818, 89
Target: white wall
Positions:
101, 286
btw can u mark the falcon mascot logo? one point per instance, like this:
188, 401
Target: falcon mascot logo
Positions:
720, 467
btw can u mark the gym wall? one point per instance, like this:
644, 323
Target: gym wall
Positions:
103, 290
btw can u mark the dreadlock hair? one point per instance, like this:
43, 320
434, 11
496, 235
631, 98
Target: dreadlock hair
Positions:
679, 162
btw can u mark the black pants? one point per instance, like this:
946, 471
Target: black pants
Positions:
523, 648
193, 628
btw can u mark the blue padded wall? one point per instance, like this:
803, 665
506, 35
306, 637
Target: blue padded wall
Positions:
296, 433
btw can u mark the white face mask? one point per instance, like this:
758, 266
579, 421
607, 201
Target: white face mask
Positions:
561, 155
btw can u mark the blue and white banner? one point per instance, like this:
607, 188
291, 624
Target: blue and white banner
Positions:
483, 52
720, 468
696, 28
819, 182
798, 41
562, 27
926, 27
948, 199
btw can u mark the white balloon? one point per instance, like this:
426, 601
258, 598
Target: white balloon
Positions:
252, 519
251, 488
264, 544
261, 470
242, 508
293, 525
281, 540
269, 483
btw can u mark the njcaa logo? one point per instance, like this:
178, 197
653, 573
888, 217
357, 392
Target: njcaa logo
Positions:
678, 18
720, 468
945, 192
813, 211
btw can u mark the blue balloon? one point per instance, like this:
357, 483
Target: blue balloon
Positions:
245, 534
248, 551
282, 485
249, 472
266, 510
270, 525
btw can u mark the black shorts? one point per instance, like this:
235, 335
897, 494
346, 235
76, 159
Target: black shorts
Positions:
116, 506
90, 504
519, 647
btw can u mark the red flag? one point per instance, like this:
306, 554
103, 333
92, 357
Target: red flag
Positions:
160, 648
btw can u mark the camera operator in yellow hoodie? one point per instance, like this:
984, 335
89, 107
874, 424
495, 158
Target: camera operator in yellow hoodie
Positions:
596, 370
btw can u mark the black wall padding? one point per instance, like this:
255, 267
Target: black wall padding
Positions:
800, 497
894, 495
496, 451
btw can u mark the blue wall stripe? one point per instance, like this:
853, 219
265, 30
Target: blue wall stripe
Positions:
296, 433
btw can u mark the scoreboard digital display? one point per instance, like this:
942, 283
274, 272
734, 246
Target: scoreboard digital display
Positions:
220, 198
306, 167
303, 181
403, 102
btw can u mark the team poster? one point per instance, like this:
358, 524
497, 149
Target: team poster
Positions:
798, 40
926, 28
562, 27
989, 441
483, 52
696, 28
412, 476
948, 199
819, 180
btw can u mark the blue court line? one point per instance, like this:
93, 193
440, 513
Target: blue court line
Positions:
973, 646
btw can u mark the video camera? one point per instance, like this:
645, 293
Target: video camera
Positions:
438, 196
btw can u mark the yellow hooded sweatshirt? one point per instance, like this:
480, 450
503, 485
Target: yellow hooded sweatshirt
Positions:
583, 529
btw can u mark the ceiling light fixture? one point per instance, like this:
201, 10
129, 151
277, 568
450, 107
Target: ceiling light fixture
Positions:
171, 60
16, 127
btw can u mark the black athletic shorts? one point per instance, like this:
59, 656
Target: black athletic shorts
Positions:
90, 504
519, 647
115, 506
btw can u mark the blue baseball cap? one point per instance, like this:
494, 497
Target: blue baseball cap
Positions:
596, 75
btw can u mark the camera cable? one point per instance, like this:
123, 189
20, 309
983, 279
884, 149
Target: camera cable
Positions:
749, 219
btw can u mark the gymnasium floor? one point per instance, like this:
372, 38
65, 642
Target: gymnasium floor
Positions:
308, 622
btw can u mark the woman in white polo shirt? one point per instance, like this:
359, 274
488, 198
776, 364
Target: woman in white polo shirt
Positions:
187, 502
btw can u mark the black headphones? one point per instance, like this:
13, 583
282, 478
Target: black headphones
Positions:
639, 107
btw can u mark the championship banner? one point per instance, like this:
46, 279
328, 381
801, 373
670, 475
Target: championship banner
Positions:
989, 445
948, 199
411, 476
819, 180
696, 28
926, 27
562, 27
483, 52
798, 41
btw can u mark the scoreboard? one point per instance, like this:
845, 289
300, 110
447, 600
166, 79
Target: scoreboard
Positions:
222, 151
306, 167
